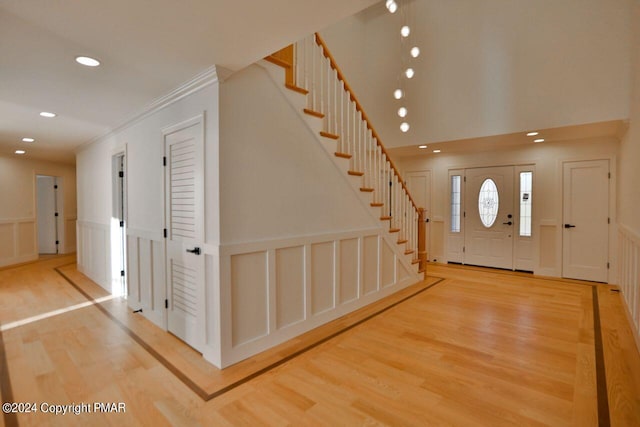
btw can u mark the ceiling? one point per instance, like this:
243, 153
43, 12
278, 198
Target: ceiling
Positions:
147, 48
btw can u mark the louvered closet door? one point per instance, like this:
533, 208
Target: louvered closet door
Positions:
184, 200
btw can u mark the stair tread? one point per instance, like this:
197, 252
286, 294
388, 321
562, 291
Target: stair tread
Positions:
329, 135
355, 173
296, 89
274, 60
313, 113
384, 218
415, 261
343, 155
400, 242
409, 251
394, 230
366, 189
377, 204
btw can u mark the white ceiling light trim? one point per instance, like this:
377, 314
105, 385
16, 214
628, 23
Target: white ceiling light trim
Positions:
47, 114
87, 61
20, 152
28, 139
532, 133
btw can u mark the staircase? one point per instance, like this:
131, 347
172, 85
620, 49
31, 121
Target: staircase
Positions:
310, 70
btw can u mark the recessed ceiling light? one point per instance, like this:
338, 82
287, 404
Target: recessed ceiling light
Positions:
415, 51
436, 151
539, 140
87, 61
20, 151
397, 94
422, 146
409, 73
405, 31
402, 112
28, 139
532, 133
404, 127
47, 114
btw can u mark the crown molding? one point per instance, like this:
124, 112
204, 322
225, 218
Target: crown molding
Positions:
209, 76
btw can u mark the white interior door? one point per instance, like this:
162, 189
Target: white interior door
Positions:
46, 215
585, 237
489, 217
419, 184
184, 200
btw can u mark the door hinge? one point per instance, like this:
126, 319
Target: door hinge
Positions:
608, 220
55, 187
121, 223
464, 249
57, 242
121, 174
164, 161
464, 214
55, 214
164, 232
609, 175
122, 273
166, 303
607, 266
465, 179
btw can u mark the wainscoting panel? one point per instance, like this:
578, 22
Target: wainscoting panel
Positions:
145, 272
94, 252
629, 272
69, 235
290, 301
349, 269
322, 277
249, 297
370, 263
272, 291
388, 265
18, 241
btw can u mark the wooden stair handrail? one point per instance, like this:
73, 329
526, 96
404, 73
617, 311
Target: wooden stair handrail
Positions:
352, 95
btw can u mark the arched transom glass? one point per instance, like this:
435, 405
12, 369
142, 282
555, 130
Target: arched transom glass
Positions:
488, 202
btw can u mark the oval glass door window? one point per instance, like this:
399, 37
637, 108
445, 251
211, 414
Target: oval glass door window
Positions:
488, 202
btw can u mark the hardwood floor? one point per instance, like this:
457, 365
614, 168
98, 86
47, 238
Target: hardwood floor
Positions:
466, 347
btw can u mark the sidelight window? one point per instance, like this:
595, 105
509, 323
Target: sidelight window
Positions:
455, 203
526, 186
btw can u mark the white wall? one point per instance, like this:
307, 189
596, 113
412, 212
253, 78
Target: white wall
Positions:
489, 67
547, 191
18, 230
300, 244
142, 142
629, 194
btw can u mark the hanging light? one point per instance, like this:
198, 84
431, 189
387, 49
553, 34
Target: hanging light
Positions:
392, 6
405, 31
409, 73
404, 126
402, 112
398, 94
415, 51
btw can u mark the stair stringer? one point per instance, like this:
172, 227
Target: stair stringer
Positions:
298, 101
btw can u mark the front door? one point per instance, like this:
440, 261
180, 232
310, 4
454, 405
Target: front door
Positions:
585, 234
184, 204
489, 217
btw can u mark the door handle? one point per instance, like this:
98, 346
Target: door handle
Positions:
569, 226
507, 223
195, 250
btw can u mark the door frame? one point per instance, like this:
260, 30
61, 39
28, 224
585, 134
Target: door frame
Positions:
59, 208
611, 205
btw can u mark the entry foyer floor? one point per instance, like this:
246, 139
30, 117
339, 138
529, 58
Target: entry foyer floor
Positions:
465, 347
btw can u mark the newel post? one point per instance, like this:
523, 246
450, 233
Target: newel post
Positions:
422, 244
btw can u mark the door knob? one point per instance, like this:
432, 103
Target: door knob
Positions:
569, 226
507, 223
195, 250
